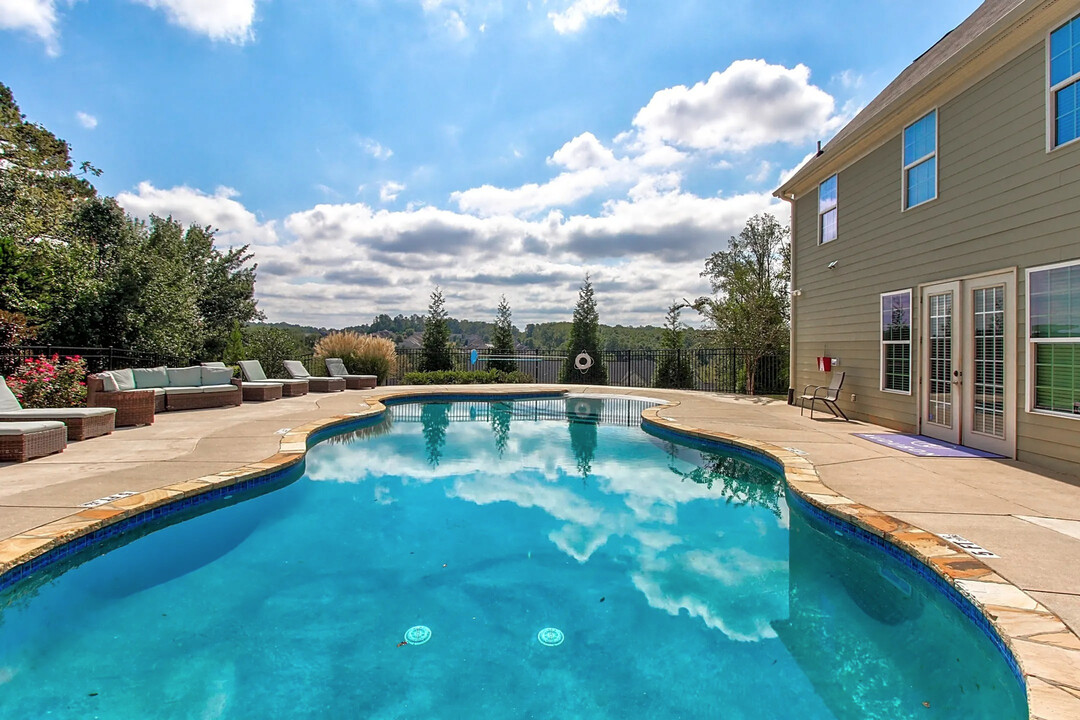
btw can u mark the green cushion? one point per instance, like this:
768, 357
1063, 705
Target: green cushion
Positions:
108, 382
125, 379
216, 375
8, 401
253, 370
157, 377
185, 376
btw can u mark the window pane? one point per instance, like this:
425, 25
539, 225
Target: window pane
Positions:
919, 139
896, 317
828, 226
898, 367
1065, 51
922, 182
1066, 117
827, 194
1057, 377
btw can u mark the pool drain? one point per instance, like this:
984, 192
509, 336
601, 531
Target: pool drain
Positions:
550, 637
418, 635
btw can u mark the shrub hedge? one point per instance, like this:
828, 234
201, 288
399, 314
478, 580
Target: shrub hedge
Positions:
463, 377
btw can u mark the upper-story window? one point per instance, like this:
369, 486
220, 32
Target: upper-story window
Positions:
920, 160
827, 210
1065, 82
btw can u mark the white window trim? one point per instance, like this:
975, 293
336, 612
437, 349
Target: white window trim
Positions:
908, 342
905, 167
821, 213
1029, 371
1051, 113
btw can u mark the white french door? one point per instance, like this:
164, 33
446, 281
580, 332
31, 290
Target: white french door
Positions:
968, 388
941, 373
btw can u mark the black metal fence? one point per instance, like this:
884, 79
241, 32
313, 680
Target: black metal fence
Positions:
709, 369
98, 359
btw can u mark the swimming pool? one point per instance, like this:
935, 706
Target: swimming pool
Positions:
682, 581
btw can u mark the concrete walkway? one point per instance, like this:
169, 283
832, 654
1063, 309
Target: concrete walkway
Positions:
1028, 517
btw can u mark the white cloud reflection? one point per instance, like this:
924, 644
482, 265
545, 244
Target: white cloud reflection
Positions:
630, 496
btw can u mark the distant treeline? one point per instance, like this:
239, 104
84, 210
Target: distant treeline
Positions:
536, 336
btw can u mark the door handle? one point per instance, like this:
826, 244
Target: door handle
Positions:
957, 377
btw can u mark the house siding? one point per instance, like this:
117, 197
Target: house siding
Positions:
1003, 203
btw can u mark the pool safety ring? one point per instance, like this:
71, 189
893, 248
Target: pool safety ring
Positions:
583, 361
550, 637
418, 635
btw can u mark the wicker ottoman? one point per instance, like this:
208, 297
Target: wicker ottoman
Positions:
326, 384
261, 391
293, 388
22, 441
133, 407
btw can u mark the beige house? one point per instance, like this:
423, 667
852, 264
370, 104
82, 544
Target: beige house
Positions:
936, 242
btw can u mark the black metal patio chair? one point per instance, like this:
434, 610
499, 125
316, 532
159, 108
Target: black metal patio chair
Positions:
828, 394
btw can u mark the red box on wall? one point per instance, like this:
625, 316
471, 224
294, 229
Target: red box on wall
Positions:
824, 364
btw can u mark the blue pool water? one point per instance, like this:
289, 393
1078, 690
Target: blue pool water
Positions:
682, 582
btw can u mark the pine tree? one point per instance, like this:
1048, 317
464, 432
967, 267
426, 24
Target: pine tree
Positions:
674, 370
584, 338
436, 349
502, 339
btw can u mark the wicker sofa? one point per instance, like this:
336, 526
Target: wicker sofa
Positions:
138, 393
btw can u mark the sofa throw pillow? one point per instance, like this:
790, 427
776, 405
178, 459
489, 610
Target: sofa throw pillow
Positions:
185, 377
216, 375
157, 377
125, 379
8, 401
108, 382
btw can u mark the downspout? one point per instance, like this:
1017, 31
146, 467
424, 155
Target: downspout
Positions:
790, 199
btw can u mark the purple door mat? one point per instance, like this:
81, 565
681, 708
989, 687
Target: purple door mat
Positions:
924, 446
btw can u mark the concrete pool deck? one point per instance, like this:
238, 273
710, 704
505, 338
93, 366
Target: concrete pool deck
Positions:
1030, 518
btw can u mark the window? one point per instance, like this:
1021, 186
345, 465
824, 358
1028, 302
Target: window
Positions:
920, 160
827, 210
896, 341
1065, 82
1054, 337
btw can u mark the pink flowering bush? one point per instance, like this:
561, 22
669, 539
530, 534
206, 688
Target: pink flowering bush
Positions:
49, 382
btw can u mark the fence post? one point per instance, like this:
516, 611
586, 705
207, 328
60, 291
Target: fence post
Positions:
734, 373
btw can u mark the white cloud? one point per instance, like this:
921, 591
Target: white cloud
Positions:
229, 20
574, 18
87, 120
762, 173
849, 80
790, 173
375, 149
389, 191
37, 17
236, 224
748, 105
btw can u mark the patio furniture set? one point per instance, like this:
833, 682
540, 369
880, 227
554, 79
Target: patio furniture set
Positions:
132, 396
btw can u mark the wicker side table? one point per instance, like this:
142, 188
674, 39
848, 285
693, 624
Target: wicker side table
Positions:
133, 407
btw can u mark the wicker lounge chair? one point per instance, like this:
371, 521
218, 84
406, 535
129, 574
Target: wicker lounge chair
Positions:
296, 369
22, 441
336, 368
82, 423
827, 394
254, 391
253, 373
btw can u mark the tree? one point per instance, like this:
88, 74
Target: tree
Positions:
435, 353
750, 303
674, 370
271, 346
502, 339
584, 338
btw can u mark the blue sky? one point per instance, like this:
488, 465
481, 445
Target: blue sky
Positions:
368, 149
